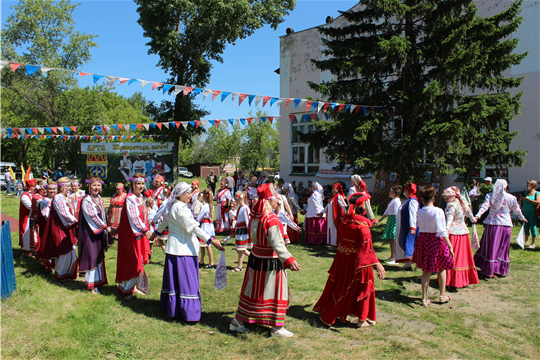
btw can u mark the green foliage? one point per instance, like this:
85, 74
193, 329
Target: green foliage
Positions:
223, 144
261, 145
441, 66
187, 35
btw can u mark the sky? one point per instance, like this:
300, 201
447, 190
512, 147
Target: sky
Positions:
248, 66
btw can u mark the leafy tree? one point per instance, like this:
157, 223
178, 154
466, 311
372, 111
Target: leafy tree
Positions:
436, 71
223, 144
261, 145
187, 35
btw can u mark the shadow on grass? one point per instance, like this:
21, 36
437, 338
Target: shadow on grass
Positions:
317, 250
395, 296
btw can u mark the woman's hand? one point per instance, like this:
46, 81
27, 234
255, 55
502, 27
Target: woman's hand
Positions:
412, 232
381, 273
319, 215
476, 218
217, 244
451, 252
295, 266
149, 234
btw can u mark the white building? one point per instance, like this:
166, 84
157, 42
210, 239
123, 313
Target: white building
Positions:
298, 162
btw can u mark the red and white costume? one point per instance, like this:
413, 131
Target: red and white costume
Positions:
25, 210
76, 199
115, 209
36, 226
133, 245
335, 209
222, 215
287, 223
158, 195
207, 225
194, 195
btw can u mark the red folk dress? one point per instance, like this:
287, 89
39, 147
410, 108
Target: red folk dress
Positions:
350, 288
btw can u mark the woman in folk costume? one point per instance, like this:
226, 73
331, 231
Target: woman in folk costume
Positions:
194, 193
158, 190
93, 236
288, 189
206, 220
315, 227
359, 186
25, 210
264, 298
44, 212
76, 196
115, 207
406, 229
286, 220
133, 244
336, 208
59, 237
391, 212
37, 226
493, 256
350, 288
242, 242
464, 271
242, 182
223, 196
180, 293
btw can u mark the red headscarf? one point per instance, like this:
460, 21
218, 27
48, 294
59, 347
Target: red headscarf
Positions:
31, 182
339, 188
196, 182
411, 189
359, 202
362, 185
264, 192
148, 193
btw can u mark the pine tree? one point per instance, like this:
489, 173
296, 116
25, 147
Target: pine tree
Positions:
434, 72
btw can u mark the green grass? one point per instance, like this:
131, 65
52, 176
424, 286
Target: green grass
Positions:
497, 319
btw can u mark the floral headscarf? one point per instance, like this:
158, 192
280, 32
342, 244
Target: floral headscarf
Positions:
498, 193
454, 191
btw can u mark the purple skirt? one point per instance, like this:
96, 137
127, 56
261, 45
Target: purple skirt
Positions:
180, 293
315, 230
494, 253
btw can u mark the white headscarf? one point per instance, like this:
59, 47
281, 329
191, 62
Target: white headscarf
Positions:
165, 208
318, 193
356, 179
498, 193
290, 189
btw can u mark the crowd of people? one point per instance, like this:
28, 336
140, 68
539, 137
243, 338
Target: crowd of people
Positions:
69, 231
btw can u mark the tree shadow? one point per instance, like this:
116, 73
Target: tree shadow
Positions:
318, 250
395, 296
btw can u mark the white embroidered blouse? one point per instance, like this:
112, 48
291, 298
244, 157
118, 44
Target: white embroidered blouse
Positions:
501, 216
455, 218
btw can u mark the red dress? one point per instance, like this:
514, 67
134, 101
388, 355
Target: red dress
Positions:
37, 222
24, 213
350, 289
133, 245
58, 239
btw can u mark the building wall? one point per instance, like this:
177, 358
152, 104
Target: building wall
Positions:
296, 69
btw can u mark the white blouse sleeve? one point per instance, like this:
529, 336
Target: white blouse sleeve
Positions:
91, 216
26, 201
137, 226
413, 211
441, 223
342, 203
204, 212
183, 216
286, 220
62, 208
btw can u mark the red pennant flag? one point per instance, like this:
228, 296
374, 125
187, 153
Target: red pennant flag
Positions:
54, 130
83, 73
40, 137
35, 131
292, 117
120, 126
357, 108
215, 93
73, 128
216, 122
325, 107
313, 116
187, 90
197, 123
14, 66
104, 128
15, 131
156, 84
241, 98
265, 99
308, 105
271, 119
287, 102
28, 136
177, 124
341, 107
139, 126
109, 137
66, 137
159, 125
123, 80
249, 120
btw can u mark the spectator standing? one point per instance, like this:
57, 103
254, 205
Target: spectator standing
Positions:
9, 179
230, 183
211, 181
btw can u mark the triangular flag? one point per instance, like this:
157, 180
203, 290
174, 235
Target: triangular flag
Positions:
177, 89
192, 123
325, 107
224, 95
212, 122
308, 105
123, 80
159, 125
357, 108
133, 127
55, 130
146, 126
187, 90
139, 126
305, 117
97, 77
132, 81
315, 106
280, 101
98, 128
297, 102
197, 123
265, 100
14, 66
263, 118
243, 121
110, 81
41, 130
241, 97
156, 84
206, 93
217, 122
215, 93
166, 124
271, 119
73, 128
341, 107
45, 69
250, 99
81, 74
30, 69
105, 128
346, 108
114, 126
29, 130
35, 130
231, 121
67, 129
196, 91
9, 131
258, 100
234, 95
364, 108
184, 124
3, 63
177, 124
49, 130
167, 87
292, 117
273, 100
143, 83
312, 116
249, 120
353, 107
287, 102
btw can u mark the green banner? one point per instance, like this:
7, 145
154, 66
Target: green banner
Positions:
114, 162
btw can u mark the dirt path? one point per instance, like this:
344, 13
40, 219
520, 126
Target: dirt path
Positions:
13, 222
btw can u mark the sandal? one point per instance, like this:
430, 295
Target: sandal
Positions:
443, 299
365, 323
237, 269
210, 266
239, 328
425, 303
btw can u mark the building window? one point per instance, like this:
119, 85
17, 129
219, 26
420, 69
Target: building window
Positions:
305, 159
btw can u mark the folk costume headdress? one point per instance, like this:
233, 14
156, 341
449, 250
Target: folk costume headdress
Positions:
411, 189
454, 191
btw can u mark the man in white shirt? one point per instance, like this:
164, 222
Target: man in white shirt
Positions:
9, 179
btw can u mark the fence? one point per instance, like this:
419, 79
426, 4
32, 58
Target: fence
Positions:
8, 269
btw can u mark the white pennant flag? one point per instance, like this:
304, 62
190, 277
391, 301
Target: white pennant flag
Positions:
110, 81
166, 124
234, 95
204, 122
320, 106
184, 124
41, 130
258, 99
178, 89
127, 127
277, 118
60, 129
237, 121
146, 126
3, 63
144, 82
106, 128
46, 69
353, 107
206, 93
280, 101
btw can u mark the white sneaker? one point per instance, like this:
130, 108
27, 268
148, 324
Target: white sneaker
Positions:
391, 262
282, 333
238, 328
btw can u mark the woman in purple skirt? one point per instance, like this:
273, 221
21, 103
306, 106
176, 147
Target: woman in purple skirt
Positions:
180, 294
493, 256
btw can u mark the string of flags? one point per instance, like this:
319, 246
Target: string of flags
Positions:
110, 80
85, 137
69, 131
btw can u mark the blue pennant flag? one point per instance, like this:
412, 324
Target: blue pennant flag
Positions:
315, 106
125, 136
95, 137
133, 127
167, 87
224, 95
72, 137
212, 122
263, 118
115, 127
347, 108
273, 100
250, 99
49, 130
192, 123
153, 125
98, 128
364, 109
97, 77
243, 121
196, 91
172, 124
28, 130
333, 105
231, 121
326, 116
305, 117
133, 80
30, 69
9, 131
67, 129
296, 102
49, 137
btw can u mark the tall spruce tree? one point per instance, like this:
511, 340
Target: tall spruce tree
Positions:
434, 70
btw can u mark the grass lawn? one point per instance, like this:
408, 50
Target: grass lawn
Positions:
497, 319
